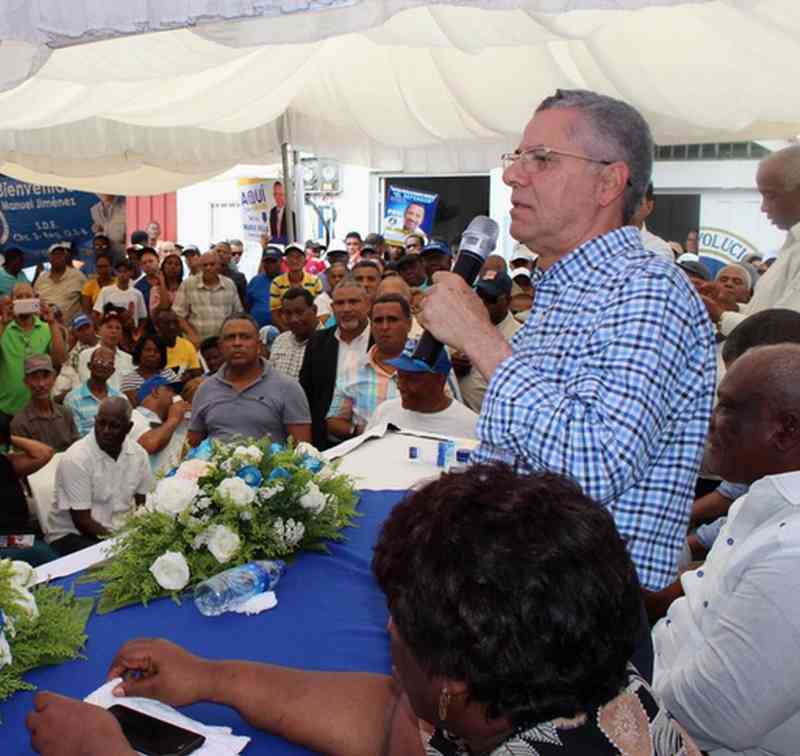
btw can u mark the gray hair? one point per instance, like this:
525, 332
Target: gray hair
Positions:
789, 160
348, 282
117, 405
610, 130
748, 276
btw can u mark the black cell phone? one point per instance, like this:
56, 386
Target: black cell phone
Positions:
154, 737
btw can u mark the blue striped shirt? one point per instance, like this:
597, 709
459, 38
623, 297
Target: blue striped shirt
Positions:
85, 406
611, 382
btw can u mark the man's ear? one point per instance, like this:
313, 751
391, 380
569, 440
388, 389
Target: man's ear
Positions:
787, 434
613, 182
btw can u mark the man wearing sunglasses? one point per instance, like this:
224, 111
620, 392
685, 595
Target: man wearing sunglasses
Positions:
611, 379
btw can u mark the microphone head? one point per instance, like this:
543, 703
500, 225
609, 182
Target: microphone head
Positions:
480, 237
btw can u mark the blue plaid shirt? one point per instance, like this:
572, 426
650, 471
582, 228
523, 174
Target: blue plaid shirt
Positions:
611, 382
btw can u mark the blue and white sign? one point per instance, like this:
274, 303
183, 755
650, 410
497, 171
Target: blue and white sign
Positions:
33, 217
407, 211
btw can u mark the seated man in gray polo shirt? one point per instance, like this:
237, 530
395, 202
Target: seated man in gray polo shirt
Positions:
247, 397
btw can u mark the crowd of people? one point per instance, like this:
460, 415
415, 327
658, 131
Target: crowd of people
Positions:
636, 414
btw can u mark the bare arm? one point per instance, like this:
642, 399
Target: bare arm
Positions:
190, 332
709, 507
156, 439
338, 713
195, 437
300, 432
34, 456
86, 524
58, 347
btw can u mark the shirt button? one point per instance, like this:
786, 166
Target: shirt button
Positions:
700, 573
730, 542
705, 605
782, 524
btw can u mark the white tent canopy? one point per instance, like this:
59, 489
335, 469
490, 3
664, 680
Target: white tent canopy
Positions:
396, 85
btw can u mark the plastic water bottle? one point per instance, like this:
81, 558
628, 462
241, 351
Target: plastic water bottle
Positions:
235, 586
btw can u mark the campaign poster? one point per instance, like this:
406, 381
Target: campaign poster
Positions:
32, 217
718, 247
407, 211
255, 198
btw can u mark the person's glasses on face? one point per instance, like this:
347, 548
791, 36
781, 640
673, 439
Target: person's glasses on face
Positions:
540, 158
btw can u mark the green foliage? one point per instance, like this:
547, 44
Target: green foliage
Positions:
287, 474
55, 636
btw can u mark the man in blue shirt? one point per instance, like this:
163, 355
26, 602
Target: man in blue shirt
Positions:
611, 379
259, 286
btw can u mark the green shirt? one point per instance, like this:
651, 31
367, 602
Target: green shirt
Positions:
15, 346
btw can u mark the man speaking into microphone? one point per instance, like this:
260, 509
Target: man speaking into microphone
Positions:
611, 379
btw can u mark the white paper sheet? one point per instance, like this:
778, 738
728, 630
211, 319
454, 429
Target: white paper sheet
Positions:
72, 563
220, 741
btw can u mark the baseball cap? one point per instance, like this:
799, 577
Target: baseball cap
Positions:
190, 249
521, 252
39, 362
520, 273
151, 384
336, 246
437, 246
294, 247
272, 252
494, 283
410, 364
139, 237
368, 248
65, 245
696, 269
79, 321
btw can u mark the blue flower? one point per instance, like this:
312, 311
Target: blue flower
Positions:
202, 451
2, 621
276, 448
279, 472
251, 475
312, 463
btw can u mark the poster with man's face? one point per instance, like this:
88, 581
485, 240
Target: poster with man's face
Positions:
408, 211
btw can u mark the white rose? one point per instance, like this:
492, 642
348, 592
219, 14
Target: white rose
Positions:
22, 574
305, 448
173, 495
202, 503
223, 543
250, 455
237, 491
313, 499
25, 600
5, 651
171, 571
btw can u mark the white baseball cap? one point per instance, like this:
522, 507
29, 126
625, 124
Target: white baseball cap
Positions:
521, 252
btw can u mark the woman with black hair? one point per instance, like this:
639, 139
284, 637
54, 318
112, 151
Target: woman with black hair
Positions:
150, 359
169, 281
27, 457
514, 609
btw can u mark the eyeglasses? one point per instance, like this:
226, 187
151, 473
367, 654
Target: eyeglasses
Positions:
540, 158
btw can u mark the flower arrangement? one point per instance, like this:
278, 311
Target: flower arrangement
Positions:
38, 626
229, 503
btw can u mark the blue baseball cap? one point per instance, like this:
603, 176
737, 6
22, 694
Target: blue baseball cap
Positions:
272, 252
410, 364
437, 246
79, 321
268, 334
157, 381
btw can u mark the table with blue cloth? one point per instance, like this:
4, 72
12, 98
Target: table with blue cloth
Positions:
331, 615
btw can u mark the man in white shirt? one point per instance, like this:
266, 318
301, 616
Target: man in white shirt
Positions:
651, 242
778, 180
122, 294
101, 477
423, 404
726, 661
494, 289
160, 423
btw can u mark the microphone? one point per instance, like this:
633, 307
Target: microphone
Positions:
477, 243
